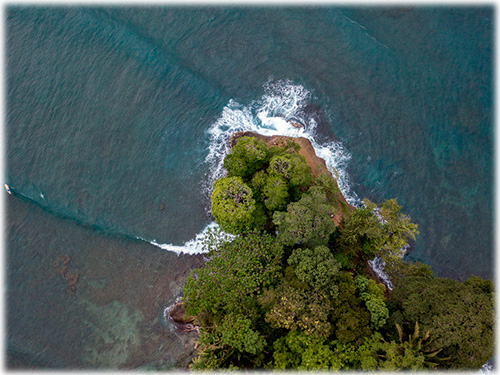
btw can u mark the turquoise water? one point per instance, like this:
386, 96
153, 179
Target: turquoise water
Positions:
117, 121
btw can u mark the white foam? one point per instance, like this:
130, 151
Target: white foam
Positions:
377, 265
487, 368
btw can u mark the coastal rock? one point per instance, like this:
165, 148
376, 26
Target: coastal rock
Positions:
296, 125
177, 314
62, 268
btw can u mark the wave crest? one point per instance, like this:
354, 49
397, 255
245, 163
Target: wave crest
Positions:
197, 245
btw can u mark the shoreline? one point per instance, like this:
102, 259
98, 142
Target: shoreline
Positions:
119, 288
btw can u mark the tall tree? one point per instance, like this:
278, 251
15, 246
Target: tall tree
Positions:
317, 267
292, 167
236, 272
248, 155
233, 206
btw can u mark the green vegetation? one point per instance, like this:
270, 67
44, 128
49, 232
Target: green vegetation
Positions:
373, 295
377, 230
233, 205
292, 167
248, 155
461, 322
292, 290
307, 221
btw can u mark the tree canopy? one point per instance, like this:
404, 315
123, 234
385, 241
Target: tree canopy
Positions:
246, 157
292, 167
233, 205
377, 230
235, 272
316, 267
308, 221
458, 314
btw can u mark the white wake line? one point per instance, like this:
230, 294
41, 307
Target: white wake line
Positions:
193, 246
187, 248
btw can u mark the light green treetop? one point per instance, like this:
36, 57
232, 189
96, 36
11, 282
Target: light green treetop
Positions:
246, 157
233, 205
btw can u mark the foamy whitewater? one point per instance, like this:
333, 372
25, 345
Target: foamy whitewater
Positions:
282, 102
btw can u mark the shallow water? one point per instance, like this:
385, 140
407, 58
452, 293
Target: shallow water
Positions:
113, 318
117, 121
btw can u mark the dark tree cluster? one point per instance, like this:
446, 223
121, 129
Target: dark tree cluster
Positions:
290, 289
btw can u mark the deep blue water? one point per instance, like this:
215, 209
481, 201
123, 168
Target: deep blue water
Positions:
116, 123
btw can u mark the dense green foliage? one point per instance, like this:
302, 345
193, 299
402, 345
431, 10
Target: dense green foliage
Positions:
292, 308
235, 273
351, 320
317, 267
259, 182
300, 351
246, 157
377, 230
405, 354
233, 205
292, 290
275, 193
328, 184
307, 221
292, 167
373, 295
461, 321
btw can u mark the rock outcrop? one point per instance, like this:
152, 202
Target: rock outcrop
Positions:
177, 314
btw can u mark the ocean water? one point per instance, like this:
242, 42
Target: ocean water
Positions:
117, 121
